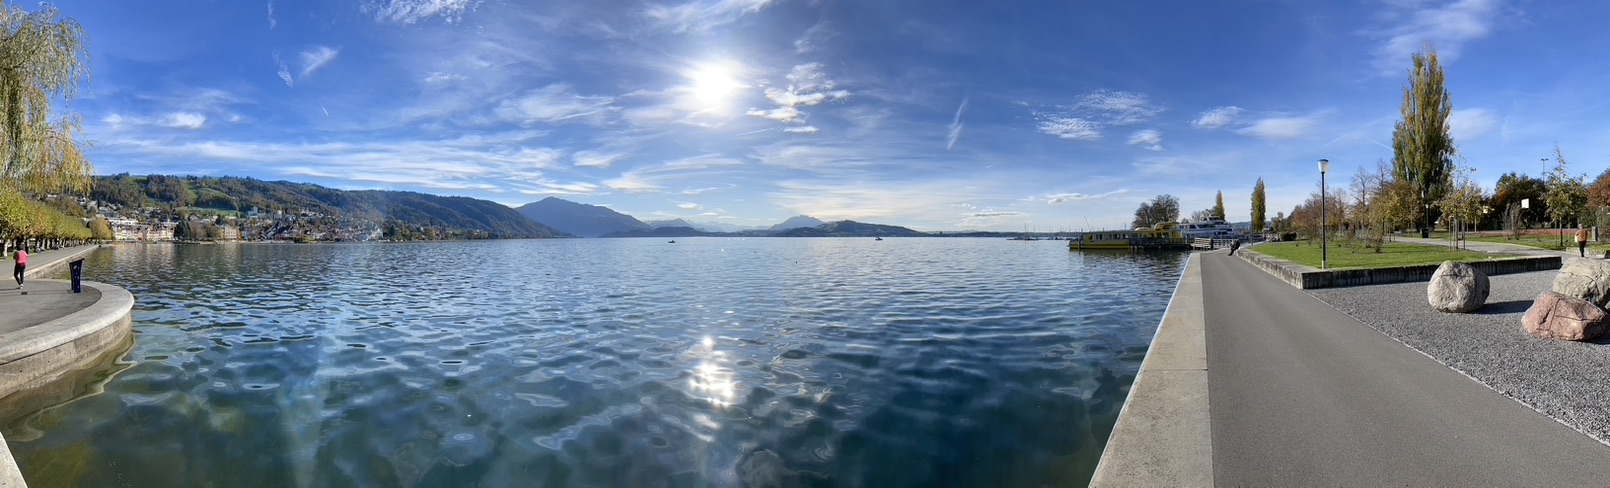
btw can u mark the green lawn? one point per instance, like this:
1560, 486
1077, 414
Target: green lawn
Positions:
1343, 255
1541, 240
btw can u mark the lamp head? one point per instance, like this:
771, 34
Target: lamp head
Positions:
1324, 166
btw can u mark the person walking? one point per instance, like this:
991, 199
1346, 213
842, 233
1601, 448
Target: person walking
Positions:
22, 264
1581, 240
1235, 244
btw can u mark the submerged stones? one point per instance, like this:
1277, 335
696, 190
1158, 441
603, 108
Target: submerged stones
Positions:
1457, 288
1558, 316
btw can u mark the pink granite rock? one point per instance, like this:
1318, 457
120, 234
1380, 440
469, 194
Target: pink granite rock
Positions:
1556, 316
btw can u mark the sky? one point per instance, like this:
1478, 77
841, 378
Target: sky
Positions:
930, 114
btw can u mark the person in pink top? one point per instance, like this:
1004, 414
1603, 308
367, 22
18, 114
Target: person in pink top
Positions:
22, 263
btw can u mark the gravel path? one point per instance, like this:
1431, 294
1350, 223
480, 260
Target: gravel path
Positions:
1567, 381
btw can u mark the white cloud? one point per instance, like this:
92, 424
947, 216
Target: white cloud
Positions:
271, 22
1119, 107
956, 125
554, 103
1448, 27
595, 159
1073, 197
702, 15
1217, 118
813, 38
1279, 127
804, 129
690, 206
439, 78
1471, 123
632, 182
412, 11
184, 120
284, 71
317, 58
113, 120
1095, 111
1148, 138
991, 214
1070, 128
807, 85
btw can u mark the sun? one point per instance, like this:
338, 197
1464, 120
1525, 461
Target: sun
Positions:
713, 84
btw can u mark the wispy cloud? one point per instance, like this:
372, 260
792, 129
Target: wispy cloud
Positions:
184, 120
439, 78
956, 125
1094, 112
813, 38
1070, 128
556, 103
412, 11
1407, 26
1074, 197
702, 15
271, 21
317, 58
803, 129
284, 71
1280, 127
1217, 118
808, 85
1148, 138
995, 213
595, 159
1471, 123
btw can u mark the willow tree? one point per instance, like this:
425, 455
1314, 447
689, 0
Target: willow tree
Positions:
43, 58
1422, 147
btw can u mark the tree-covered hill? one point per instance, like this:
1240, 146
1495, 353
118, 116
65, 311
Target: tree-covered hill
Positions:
399, 213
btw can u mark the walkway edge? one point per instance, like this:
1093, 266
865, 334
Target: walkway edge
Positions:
1163, 436
40, 354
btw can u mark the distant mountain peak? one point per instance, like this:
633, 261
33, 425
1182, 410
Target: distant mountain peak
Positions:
796, 222
579, 218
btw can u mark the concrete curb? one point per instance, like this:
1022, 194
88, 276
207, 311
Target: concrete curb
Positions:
1163, 436
57, 264
1308, 278
38, 355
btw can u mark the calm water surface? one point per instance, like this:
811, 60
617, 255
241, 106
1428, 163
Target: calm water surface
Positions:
610, 362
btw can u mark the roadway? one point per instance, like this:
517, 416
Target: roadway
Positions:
1303, 395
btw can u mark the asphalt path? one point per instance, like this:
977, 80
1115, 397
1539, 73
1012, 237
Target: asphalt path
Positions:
1303, 395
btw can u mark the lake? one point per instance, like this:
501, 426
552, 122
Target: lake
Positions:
610, 362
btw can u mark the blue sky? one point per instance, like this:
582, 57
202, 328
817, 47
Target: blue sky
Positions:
933, 114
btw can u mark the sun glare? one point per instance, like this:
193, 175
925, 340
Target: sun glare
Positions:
713, 84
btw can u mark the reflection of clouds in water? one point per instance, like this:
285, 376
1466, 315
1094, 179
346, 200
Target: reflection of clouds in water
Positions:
711, 380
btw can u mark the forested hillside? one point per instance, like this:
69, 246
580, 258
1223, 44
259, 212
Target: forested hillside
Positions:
400, 214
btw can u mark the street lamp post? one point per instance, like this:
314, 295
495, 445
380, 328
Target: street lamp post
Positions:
1324, 257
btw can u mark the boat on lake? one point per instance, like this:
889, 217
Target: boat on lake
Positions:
1166, 235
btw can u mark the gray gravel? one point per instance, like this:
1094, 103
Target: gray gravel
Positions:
1567, 381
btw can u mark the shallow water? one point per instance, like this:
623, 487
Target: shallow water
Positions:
610, 362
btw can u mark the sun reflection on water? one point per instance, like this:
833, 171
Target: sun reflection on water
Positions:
711, 380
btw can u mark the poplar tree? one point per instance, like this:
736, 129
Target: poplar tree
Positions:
1258, 203
43, 58
1218, 205
1422, 148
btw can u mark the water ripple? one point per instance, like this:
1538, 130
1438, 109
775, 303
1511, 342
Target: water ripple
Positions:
715, 362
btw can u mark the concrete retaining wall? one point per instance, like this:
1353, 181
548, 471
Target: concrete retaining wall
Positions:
1306, 278
1163, 436
36, 356
59, 265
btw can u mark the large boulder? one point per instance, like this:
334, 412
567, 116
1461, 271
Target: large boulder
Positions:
1457, 288
1588, 279
1557, 316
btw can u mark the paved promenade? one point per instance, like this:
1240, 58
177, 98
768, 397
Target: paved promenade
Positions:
42, 300
1303, 395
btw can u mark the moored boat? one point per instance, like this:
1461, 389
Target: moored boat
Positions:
1165, 235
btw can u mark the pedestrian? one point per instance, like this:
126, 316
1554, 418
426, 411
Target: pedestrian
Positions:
1235, 244
22, 264
1581, 240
